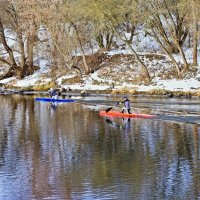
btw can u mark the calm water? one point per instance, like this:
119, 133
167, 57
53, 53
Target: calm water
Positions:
67, 151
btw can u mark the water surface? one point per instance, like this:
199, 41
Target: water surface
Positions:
67, 151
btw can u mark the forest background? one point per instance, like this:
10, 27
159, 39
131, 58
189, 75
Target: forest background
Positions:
117, 46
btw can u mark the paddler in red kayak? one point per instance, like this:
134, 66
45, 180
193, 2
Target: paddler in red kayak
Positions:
126, 103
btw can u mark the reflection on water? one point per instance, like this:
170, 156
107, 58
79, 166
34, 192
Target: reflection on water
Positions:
67, 151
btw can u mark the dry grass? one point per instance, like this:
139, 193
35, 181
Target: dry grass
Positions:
157, 92
44, 87
182, 94
197, 93
170, 93
96, 82
125, 90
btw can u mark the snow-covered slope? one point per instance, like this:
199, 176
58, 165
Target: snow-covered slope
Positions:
120, 70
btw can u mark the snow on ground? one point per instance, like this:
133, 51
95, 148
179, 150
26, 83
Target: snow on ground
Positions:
60, 79
88, 87
32, 79
183, 85
171, 85
105, 83
7, 80
37, 76
95, 77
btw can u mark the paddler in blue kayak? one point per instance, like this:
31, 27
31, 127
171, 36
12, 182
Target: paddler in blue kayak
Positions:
53, 93
126, 103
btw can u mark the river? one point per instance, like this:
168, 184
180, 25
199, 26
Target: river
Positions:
68, 151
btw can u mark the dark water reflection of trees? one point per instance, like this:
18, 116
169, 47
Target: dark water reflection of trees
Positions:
70, 152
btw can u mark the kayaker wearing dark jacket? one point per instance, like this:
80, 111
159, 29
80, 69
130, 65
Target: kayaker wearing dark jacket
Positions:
53, 93
126, 107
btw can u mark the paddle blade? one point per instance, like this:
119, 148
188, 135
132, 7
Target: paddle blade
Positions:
108, 109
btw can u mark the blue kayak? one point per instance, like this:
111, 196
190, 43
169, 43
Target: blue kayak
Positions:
53, 100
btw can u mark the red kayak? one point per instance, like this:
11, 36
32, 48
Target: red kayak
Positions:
119, 114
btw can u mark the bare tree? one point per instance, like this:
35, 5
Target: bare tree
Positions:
165, 22
23, 28
68, 32
115, 14
191, 9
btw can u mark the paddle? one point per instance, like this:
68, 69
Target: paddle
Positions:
108, 109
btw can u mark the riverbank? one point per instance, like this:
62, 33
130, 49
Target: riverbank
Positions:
116, 75
118, 93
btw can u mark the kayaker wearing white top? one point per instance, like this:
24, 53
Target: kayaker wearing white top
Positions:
126, 103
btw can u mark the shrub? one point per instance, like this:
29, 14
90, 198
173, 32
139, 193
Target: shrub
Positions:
158, 92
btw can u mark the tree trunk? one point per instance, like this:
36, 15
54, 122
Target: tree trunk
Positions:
155, 35
109, 40
17, 70
195, 36
22, 50
4, 42
132, 30
183, 57
81, 48
144, 67
30, 50
8, 74
28, 68
195, 51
